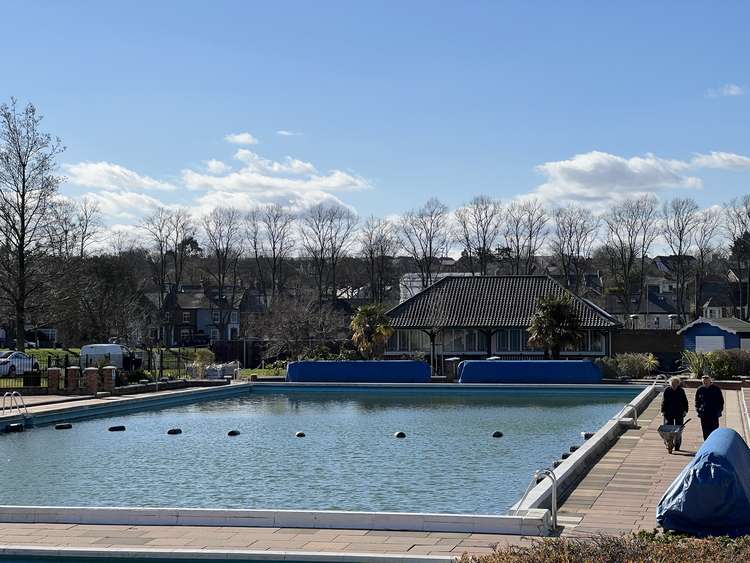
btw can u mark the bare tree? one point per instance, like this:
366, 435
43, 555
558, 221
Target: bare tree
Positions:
378, 242
157, 228
631, 228
278, 229
327, 233
705, 243
222, 230
679, 221
737, 227
181, 242
478, 229
573, 236
28, 184
525, 233
425, 235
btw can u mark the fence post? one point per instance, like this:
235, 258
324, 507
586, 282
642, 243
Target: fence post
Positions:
72, 374
91, 379
53, 381
108, 378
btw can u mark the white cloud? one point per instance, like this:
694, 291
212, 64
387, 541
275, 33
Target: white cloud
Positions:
241, 139
715, 159
124, 205
599, 179
285, 133
290, 165
725, 90
217, 166
109, 176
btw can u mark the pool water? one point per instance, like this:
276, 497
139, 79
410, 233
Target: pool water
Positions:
349, 459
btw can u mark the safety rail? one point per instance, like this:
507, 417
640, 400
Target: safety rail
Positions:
15, 401
620, 415
537, 478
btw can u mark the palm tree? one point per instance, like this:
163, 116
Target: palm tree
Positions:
555, 326
371, 330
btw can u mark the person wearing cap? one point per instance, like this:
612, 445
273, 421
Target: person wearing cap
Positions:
674, 406
709, 402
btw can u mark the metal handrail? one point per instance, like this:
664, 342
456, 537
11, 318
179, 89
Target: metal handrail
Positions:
543, 473
625, 409
15, 400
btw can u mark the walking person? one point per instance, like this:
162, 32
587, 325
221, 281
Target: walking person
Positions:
674, 406
709, 402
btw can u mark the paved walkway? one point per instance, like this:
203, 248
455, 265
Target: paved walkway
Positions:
621, 491
206, 538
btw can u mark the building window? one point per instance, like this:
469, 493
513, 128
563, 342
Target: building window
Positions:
393, 342
515, 340
656, 322
501, 341
186, 316
216, 317
185, 334
167, 316
597, 342
214, 334
454, 341
234, 317
404, 340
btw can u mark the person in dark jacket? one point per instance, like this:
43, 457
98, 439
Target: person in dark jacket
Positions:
709, 402
674, 406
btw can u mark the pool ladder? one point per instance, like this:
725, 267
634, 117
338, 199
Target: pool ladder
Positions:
14, 401
537, 478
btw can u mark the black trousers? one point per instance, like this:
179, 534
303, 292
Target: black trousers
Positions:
675, 420
709, 424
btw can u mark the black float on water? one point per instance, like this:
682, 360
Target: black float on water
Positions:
497, 434
233, 433
300, 434
573, 448
400, 434
587, 435
117, 429
15, 427
565, 455
174, 431
556, 463
63, 426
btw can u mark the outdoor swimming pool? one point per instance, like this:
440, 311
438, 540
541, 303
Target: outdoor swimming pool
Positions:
349, 459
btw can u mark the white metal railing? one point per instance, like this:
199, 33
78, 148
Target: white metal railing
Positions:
537, 478
627, 408
14, 400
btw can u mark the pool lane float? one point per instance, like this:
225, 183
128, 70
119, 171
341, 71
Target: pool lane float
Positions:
233, 433
174, 431
300, 434
400, 434
497, 434
117, 429
63, 426
15, 427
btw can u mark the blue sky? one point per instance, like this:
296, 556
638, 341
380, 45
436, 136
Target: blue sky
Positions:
390, 102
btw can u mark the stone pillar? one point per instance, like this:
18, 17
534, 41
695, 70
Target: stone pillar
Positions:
108, 378
72, 375
91, 380
53, 381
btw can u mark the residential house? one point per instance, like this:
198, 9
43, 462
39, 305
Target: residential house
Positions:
488, 316
198, 314
653, 310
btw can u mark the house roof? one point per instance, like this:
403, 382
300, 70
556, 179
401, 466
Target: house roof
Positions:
731, 324
489, 302
654, 303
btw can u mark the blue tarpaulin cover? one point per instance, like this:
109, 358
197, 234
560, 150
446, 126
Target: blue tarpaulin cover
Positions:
711, 497
529, 371
367, 371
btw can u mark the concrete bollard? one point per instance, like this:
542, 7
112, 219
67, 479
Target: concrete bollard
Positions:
91, 380
53, 381
72, 375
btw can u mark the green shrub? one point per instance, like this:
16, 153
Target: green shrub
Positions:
204, 357
695, 362
728, 364
629, 365
647, 547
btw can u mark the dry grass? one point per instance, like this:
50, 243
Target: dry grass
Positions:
644, 547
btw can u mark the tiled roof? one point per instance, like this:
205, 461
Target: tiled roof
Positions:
730, 324
488, 302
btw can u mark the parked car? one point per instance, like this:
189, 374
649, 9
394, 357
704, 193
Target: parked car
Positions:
113, 354
27, 344
17, 363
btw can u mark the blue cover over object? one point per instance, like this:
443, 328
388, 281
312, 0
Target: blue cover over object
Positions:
529, 371
711, 497
367, 371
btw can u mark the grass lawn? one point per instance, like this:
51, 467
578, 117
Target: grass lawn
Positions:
261, 373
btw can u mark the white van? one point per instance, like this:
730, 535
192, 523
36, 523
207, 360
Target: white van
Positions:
110, 354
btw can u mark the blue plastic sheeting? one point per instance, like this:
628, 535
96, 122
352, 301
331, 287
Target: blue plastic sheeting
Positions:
368, 371
529, 371
711, 497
